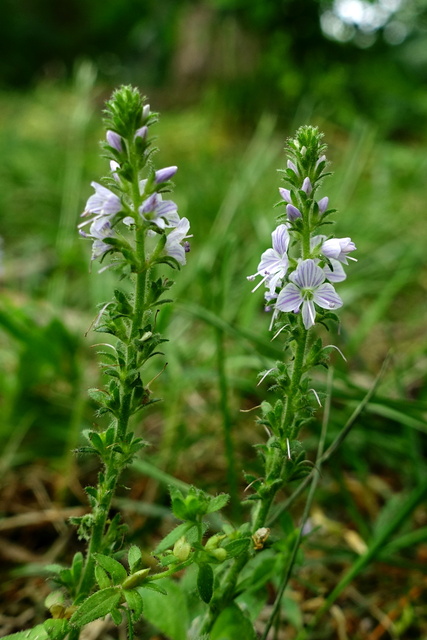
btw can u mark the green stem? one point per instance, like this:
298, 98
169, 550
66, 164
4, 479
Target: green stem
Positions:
288, 412
113, 468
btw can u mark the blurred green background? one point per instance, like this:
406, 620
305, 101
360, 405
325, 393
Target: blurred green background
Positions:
232, 79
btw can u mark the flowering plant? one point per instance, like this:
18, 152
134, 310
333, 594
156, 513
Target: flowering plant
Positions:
134, 228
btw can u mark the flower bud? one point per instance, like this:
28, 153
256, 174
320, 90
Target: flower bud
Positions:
136, 579
286, 194
114, 140
182, 549
293, 212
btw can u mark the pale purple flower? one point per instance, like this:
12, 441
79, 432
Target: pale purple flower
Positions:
323, 204
293, 167
114, 140
162, 213
307, 288
99, 230
162, 175
335, 272
321, 159
145, 111
103, 202
141, 132
274, 262
307, 186
286, 194
175, 245
338, 248
113, 167
293, 212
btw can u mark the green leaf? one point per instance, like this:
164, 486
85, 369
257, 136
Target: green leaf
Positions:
135, 602
37, 633
154, 587
117, 616
205, 579
172, 537
217, 503
232, 624
56, 629
102, 578
134, 558
237, 547
172, 619
96, 606
114, 568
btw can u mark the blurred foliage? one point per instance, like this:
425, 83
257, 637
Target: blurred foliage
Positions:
295, 58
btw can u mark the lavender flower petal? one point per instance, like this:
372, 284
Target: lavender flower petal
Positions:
326, 297
307, 275
289, 299
308, 314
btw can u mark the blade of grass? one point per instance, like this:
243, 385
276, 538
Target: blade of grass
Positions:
315, 479
334, 446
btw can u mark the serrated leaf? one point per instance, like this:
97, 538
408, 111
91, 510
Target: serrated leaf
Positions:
205, 579
114, 568
172, 537
135, 602
96, 606
217, 503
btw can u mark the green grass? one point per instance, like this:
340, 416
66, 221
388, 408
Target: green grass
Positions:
227, 186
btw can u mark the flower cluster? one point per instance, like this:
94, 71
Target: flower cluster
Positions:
141, 207
301, 283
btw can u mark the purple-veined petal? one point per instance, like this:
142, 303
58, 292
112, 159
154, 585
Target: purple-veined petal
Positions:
280, 239
326, 297
290, 298
286, 194
150, 204
293, 212
102, 202
307, 275
308, 313
337, 273
173, 246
